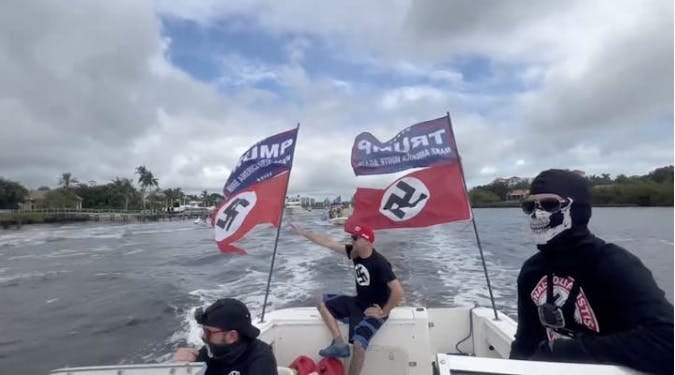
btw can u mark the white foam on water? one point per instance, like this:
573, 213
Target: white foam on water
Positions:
19, 257
19, 239
163, 230
85, 232
26, 276
49, 301
61, 253
135, 252
100, 249
66, 253
292, 281
42, 234
190, 330
459, 268
107, 276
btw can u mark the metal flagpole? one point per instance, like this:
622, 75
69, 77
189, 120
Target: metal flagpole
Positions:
473, 220
276, 239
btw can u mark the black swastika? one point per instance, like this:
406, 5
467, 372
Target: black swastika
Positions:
231, 213
395, 202
361, 277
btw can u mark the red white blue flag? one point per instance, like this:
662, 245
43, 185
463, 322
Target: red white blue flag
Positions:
421, 145
433, 195
265, 159
255, 191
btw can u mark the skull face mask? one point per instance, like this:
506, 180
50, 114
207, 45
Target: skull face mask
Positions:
546, 225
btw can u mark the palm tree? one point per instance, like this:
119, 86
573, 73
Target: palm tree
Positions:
124, 187
67, 179
173, 195
146, 179
156, 199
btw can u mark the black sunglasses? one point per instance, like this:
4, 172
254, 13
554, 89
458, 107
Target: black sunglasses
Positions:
546, 204
354, 238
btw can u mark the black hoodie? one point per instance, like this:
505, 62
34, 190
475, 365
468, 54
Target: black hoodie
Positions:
258, 359
616, 314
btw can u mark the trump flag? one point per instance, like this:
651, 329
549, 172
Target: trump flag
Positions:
255, 191
265, 159
420, 199
426, 144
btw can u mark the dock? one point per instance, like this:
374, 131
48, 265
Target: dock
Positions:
17, 218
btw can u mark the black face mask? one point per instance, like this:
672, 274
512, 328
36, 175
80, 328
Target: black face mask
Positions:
228, 353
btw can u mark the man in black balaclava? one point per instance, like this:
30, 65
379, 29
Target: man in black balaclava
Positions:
581, 299
230, 340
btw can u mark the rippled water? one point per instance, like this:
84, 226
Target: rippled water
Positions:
106, 293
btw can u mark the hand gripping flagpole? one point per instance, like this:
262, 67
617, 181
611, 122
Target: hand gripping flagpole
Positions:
276, 239
473, 220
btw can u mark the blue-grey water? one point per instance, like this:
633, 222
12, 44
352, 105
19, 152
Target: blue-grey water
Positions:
103, 293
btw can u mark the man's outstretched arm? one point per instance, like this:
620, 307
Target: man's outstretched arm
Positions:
319, 239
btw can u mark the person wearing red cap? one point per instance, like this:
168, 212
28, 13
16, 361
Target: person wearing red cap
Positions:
231, 344
378, 291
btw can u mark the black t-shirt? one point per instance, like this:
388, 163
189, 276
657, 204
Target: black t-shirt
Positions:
371, 276
257, 360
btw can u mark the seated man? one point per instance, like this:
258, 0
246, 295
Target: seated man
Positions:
581, 299
378, 291
230, 342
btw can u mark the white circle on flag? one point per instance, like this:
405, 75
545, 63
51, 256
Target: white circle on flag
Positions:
232, 214
362, 275
404, 199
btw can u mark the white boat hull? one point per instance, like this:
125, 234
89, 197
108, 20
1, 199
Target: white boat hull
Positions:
413, 341
195, 368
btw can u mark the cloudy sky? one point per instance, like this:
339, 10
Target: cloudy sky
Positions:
184, 87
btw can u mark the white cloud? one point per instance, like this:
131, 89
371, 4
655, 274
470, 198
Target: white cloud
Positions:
446, 75
488, 171
403, 96
239, 71
422, 70
90, 88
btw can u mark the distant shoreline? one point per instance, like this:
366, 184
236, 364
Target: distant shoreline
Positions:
18, 219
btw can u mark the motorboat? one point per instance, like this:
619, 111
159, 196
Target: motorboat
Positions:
415, 341
293, 204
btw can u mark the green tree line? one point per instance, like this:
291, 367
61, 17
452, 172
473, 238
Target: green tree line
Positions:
120, 194
652, 189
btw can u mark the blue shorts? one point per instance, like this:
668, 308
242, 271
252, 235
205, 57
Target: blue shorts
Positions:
362, 328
